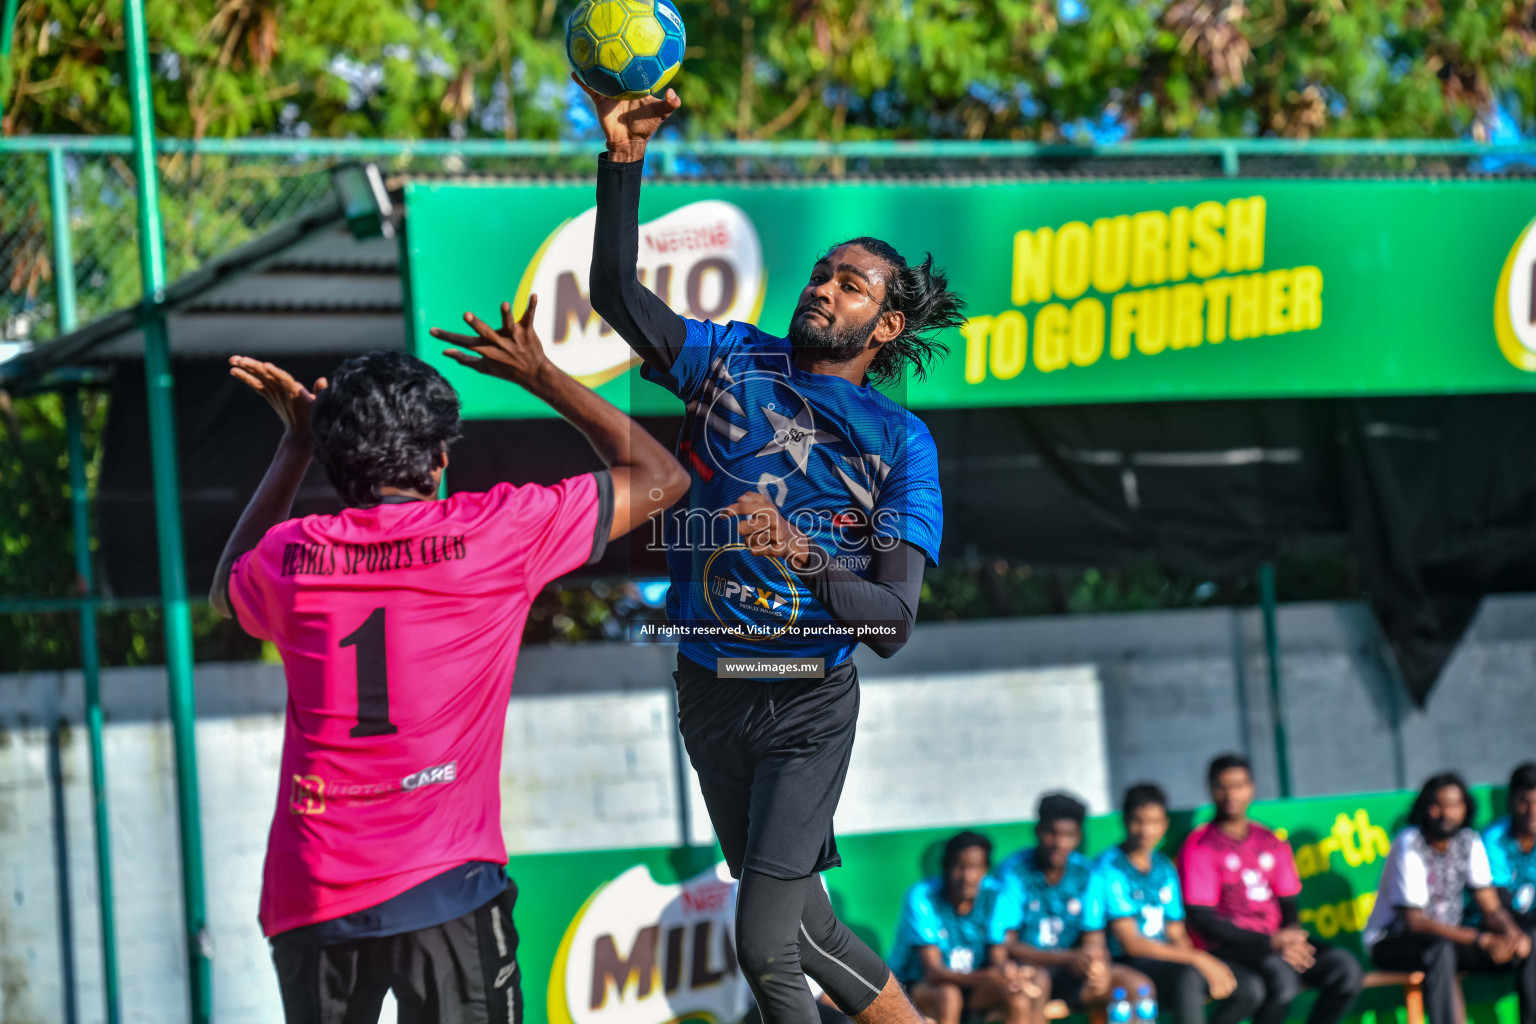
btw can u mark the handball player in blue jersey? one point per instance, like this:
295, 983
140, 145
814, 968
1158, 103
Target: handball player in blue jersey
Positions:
1050, 913
1511, 843
813, 510
944, 941
1145, 910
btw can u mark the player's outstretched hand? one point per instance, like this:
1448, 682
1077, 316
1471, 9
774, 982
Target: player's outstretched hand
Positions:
769, 534
513, 353
629, 124
287, 397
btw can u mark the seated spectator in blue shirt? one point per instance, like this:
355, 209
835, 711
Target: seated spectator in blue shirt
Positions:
1051, 911
1145, 910
1511, 843
1416, 924
943, 941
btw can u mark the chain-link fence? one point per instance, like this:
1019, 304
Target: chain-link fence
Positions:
217, 195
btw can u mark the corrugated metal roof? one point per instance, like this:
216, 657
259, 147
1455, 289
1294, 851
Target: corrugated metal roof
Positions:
306, 286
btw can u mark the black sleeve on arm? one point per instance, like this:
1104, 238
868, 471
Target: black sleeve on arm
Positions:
888, 598
1290, 911
604, 480
1228, 939
643, 320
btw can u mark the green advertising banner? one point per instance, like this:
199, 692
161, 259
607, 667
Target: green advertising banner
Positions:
642, 936
1078, 292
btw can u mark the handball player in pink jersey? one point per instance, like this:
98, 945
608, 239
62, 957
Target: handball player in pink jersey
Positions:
398, 621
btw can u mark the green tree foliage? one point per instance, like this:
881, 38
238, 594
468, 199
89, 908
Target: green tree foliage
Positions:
796, 68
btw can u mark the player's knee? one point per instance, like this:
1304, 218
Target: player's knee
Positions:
1281, 982
951, 1000
761, 953
1344, 973
1248, 993
1440, 958
1191, 988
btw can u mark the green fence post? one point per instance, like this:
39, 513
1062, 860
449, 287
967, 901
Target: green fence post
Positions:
159, 383
1272, 650
1229, 165
7, 29
90, 667
63, 245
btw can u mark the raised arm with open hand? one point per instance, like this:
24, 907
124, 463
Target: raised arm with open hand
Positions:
646, 477
273, 500
629, 124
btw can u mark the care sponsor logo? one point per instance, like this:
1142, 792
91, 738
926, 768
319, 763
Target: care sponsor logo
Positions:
1514, 303
311, 794
639, 952
703, 259
434, 776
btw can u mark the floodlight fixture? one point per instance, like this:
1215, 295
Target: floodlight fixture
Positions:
364, 200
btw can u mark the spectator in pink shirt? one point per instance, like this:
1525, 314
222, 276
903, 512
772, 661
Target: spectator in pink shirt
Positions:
1240, 889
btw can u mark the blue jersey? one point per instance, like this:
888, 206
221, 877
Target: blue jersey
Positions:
1513, 869
1153, 897
849, 467
1049, 916
929, 919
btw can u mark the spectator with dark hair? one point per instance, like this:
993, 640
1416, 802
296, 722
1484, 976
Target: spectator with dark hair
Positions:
1416, 924
1050, 913
941, 953
1145, 909
1240, 889
1511, 844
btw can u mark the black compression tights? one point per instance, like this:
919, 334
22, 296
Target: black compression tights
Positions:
785, 929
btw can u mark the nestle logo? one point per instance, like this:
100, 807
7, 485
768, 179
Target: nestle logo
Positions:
706, 898
431, 776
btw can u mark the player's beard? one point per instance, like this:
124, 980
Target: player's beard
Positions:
1437, 829
834, 342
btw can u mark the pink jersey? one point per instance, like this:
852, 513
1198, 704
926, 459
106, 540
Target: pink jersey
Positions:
398, 626
1241, 879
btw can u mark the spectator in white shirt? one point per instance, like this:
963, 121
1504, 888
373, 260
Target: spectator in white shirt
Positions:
1416, 924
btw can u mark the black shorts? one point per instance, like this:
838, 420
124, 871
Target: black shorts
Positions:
461, 972
1066, 985
771, 758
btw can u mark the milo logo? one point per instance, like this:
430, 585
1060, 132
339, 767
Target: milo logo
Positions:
1514, 302
640, 952
704, 260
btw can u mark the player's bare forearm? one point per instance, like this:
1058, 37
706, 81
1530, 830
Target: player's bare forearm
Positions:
646, 476
1025, 953
270, 505
1137, 944
273, 500
1499, 920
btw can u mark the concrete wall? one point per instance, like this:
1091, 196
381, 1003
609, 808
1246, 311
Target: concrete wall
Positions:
968, 725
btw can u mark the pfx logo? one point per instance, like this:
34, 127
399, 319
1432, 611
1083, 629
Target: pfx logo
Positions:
749, 596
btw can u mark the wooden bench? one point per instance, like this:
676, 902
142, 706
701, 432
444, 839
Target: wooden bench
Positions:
1056, 1009
1412, 985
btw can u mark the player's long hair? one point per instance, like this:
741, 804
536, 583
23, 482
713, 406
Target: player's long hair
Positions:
922, 295
1418, 814
383, 422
